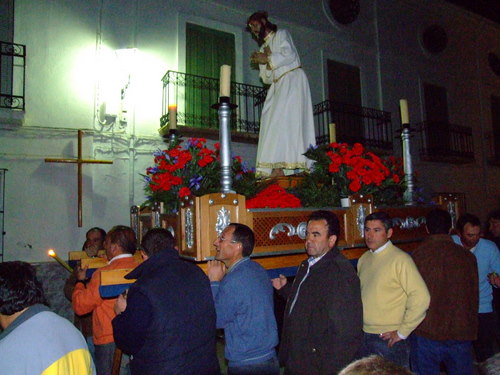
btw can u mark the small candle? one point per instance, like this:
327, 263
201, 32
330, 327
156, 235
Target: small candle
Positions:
403, 107
172, 116
225, 80
53, 254
333, 133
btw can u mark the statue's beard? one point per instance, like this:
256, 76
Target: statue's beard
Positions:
262, 35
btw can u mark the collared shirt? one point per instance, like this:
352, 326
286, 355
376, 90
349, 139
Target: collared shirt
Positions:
381, 248
120, 257
312, 260
233, 266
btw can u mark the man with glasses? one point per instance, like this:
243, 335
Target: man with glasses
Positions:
243, 297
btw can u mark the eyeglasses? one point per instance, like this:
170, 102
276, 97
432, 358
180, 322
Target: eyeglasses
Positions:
222, 239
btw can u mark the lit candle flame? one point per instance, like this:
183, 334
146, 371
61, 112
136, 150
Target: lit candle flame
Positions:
53, 254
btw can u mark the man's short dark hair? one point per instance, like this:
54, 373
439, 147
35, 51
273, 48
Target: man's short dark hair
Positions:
331, 221
156, 240
124, 237
19, 287
438, 221
101, 231
467, 219
245, 236
383, 217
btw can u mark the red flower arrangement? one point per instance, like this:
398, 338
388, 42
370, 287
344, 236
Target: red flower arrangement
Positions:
353, 169
273, 196
193, 170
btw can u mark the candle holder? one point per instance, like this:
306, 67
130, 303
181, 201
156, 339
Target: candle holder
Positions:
409, 194
224, 108
172, 135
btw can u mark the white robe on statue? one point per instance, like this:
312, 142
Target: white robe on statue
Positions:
286, 125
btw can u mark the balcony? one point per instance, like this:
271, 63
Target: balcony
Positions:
194, 96
12, 75
368, 126
445, 142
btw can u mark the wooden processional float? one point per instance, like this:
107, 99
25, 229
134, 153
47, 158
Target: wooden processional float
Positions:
280, 233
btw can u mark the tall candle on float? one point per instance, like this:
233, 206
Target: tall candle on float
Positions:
333, 133
53, 254
172, 116
403, 107
225, 80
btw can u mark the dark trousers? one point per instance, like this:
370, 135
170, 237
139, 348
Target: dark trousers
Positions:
486, 336
399, 353
427, 355
104, 358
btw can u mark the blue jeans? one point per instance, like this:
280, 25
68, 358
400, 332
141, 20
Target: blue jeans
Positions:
399, 353
268, 367
427, 355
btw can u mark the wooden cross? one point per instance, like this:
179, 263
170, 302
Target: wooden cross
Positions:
80, 163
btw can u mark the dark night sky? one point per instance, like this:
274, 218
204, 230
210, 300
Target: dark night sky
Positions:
486, 8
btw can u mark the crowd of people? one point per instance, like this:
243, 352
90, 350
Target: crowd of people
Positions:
400, 313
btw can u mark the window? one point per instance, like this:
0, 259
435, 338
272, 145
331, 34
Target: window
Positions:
206, 50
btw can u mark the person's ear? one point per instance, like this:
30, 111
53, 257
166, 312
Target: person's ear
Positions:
332, 240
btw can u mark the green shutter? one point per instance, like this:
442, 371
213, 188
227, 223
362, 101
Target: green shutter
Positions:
206, 51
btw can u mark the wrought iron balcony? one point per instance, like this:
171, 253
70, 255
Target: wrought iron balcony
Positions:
493, 147
445, 142
12, 75
368, 126
194, 96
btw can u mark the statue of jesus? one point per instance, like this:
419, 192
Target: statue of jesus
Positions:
286, 125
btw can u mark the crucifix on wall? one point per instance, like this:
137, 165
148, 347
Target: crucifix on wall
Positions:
79, 161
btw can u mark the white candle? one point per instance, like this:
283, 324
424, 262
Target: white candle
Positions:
172, 116
333, 133
403, 107
225, 80
53, 254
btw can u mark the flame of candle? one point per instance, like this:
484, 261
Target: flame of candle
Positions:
53, 254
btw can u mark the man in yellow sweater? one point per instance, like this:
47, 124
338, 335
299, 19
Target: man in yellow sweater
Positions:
395, 297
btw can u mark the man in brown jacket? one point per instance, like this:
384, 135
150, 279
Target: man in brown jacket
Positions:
450, 272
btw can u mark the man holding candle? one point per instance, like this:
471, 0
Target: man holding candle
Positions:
120, 245
94, 241
287, 117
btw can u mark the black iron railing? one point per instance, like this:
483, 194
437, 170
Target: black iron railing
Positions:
12, 75
194, 96
445, 142
371, 127
492, 140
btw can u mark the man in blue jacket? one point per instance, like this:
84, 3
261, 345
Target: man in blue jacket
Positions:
167, 320
488, 262
243, 296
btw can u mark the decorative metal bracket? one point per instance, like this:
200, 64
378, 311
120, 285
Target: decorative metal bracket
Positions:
409, 222
300, 231
223, 220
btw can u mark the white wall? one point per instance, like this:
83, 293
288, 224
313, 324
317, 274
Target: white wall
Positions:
66, 40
